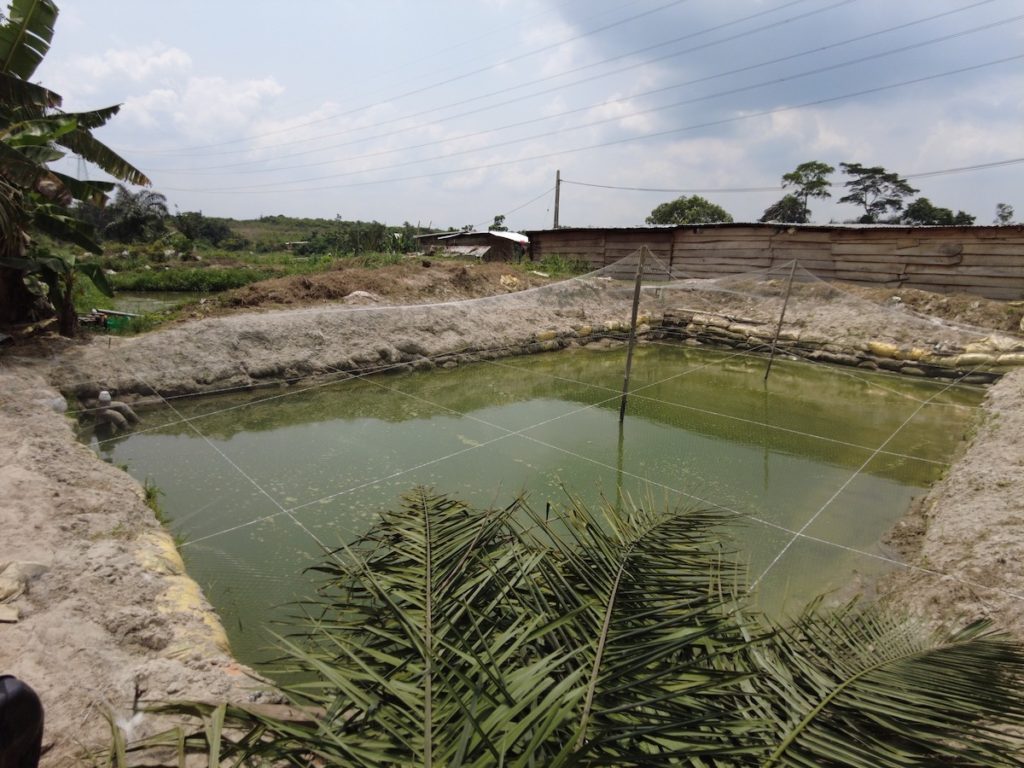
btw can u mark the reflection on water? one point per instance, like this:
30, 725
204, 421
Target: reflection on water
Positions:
702, 429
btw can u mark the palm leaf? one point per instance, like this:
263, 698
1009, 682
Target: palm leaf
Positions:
56, 222
25, 36
19, 170
88, 147
24, 96
94, 118
426, 641
39, 130
86, 190
659, 637
461, 637
861, 689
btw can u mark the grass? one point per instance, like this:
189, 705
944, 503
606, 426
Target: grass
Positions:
197, 279
557, 265
151, 494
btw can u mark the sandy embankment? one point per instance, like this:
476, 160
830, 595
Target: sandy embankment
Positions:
109, 610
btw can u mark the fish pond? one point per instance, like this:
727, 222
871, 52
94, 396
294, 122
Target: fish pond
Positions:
817, 462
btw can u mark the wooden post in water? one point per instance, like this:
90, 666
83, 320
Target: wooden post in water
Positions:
632, 332
782, 314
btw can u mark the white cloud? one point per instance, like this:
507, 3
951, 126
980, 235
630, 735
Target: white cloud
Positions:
204, 108
136, 64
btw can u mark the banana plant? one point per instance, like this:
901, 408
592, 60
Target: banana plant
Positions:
35, 132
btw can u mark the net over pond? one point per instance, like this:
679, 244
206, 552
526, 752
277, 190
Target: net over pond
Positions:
816, 463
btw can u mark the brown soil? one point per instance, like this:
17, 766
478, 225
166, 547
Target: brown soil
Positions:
420, 280
104, 609
963, 308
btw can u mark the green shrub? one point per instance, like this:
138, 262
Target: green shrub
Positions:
202, 279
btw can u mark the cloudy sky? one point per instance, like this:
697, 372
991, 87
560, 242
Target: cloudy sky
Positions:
451, 111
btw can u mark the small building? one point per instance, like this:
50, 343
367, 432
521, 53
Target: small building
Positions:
484, 246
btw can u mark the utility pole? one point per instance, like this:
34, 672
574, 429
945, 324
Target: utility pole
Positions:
558, 189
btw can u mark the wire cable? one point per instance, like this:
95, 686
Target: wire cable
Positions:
456, 78
208, 170
691, 190
612, 142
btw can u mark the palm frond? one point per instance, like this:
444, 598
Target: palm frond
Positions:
55, 221
24, 96
39, 131
25, 36
858, 688
20, 169
659, 637
427, 639
86, 190
454, 636
88, 147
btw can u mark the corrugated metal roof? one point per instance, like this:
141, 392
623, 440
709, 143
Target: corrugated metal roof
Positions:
771, 225
515, 237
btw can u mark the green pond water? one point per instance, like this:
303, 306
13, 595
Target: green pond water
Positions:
836, 454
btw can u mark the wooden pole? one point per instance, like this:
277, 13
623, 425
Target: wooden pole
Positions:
782, 314
632, 332
558, 191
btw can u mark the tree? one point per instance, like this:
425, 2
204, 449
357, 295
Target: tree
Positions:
498, 225
199, 228
135, 217
790, 209
810, 179
450, 635
921, 211
1004, 214
689, 210
34, 132
875, 190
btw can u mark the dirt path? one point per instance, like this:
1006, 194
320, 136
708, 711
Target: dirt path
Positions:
105, 612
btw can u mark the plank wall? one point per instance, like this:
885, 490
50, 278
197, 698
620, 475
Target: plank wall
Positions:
987, 261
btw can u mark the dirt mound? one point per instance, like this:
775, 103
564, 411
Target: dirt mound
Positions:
418, 281
956, 307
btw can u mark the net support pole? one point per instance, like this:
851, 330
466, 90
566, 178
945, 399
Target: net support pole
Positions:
782, 314
632, 331
558, 192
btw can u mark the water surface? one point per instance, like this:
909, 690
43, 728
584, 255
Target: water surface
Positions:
833, 453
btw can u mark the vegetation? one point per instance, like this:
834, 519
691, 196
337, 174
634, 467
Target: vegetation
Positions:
198, 279
876, 190
810, 179
689, 210
455, 636
36, 201
921, 211
132, 217
556, 265
1004, 214
789, 210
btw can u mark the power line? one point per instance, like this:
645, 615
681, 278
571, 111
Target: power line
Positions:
618, 118
722, 190
471, 73
692, 190
545, 118
564, 73
625, 140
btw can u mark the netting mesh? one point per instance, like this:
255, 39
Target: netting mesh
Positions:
822, 321
805, 468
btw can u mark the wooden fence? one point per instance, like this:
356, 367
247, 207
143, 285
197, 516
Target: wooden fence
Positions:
987, 261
